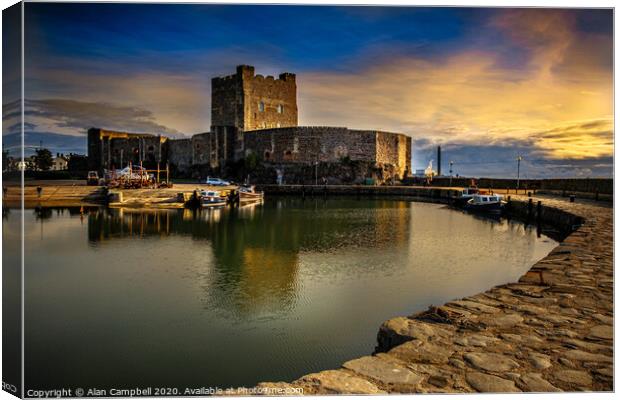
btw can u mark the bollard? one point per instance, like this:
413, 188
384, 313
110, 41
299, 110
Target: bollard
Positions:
530, 209
572, 198
596, 196
538, 211
529, 194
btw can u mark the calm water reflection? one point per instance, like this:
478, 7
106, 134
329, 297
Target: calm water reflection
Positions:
118, 298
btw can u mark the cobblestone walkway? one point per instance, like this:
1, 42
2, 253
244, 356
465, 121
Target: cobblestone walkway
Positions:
551, 331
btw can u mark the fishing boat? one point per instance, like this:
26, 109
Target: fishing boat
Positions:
212, 198
488, 203
462, 197
249, 193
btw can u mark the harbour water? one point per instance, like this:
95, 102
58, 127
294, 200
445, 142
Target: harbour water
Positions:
232, 297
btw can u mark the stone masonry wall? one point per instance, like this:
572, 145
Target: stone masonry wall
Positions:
395, 149
202, 149
227, 100
180, 154
330, 144
311, 144
111, 149
269, 102
248, 102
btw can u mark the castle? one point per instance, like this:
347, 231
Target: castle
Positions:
253, 115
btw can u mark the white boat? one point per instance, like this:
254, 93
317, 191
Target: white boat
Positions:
491, 203
249, 193
465, 195
212, 198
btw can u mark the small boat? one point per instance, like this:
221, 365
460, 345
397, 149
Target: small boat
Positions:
212, 198
249, 193
462, 197
489, 203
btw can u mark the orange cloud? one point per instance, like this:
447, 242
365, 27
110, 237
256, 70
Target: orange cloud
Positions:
472, 97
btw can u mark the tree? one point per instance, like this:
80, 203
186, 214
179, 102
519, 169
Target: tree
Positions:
43, 159
77, 163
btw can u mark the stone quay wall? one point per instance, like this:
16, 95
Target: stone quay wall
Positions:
551, 331
568, 185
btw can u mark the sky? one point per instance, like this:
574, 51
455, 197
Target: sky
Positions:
488, 85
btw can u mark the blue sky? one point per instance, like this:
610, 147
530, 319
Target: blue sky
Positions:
486, 84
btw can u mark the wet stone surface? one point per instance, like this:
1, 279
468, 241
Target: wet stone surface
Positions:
551, 331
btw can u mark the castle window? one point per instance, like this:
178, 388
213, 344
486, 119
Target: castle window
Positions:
280, 108
261, 106
288, 155
267, 155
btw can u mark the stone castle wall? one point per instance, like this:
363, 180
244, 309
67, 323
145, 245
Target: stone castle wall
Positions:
330, 144
112, 149
395, 149
227, 100
180, 151
269, 102
311, 144
248, 101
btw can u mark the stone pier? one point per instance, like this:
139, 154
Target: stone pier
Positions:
551, 331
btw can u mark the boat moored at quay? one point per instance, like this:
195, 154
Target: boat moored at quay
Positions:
485, 203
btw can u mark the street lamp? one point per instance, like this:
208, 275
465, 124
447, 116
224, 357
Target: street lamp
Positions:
518, 169
316, 172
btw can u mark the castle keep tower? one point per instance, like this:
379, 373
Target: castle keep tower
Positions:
246, 102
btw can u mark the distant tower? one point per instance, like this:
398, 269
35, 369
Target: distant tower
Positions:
438, 160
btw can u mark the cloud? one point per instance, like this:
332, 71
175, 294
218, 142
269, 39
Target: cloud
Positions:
74, 118
476, 97
180, 102
52, 141
499, 160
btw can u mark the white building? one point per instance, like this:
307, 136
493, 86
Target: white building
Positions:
59, 164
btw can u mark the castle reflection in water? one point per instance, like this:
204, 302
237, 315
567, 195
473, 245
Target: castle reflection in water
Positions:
256, 248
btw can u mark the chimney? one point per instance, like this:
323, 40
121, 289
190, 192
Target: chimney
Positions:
438, 160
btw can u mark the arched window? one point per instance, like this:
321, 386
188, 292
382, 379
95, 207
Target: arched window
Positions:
267, 155
280, 108
261, 106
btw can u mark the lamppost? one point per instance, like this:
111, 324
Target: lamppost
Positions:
451, 162
316, 172
518, 169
